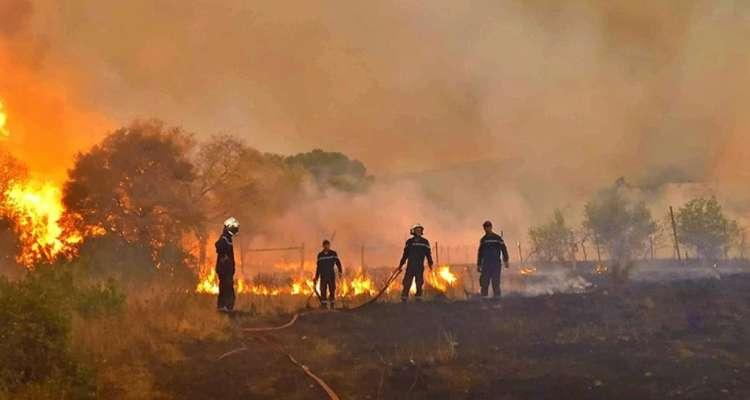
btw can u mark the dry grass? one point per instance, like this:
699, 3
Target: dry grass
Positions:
150, 332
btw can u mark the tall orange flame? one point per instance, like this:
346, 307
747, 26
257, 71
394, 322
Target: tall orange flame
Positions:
4, 132
36, 210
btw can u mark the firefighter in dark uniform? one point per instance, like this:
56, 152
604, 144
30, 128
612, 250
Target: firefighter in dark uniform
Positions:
491, 255
327, 259
416, 250
225, 265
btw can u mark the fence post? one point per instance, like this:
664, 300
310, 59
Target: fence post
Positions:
520, 253
674, 232
302, 257
437, 254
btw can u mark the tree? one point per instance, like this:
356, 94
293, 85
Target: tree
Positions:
11, 170
135, 185
237, 180
334, 170
702, 225
621, 225
552, 241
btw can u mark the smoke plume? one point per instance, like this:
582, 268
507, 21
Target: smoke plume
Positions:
464, 111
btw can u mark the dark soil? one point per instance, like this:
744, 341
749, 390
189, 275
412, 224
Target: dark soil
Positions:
675, 340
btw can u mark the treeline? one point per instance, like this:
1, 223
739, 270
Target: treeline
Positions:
149, 197
619, 227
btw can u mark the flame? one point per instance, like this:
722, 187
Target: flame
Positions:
441, 279
4, 132
360, 284
527, 270
36, 209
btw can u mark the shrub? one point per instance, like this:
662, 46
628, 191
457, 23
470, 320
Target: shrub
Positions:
35, 356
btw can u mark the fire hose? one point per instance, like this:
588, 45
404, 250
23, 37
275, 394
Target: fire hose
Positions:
375, 298
331, 394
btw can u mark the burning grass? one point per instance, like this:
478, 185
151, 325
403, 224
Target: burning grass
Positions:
357, 285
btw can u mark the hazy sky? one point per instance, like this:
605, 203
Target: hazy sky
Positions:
549, 98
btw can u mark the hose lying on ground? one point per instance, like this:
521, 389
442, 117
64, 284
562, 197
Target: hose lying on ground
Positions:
331, 394
388, 283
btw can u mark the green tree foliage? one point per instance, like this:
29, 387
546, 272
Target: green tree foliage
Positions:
552, 241
702, 225
334, 170
135, 185
621, 226
35, 326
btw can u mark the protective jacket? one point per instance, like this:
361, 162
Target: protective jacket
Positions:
492, 250
224, 254
416, 250
327, 259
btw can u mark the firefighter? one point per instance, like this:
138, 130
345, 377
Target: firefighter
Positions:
327, 259
225, 265
417, 248
491, 255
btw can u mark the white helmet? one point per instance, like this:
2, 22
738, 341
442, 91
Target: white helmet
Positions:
415, 227
232, 225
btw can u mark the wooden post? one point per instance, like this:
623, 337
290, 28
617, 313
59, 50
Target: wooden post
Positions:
242, 256
674, 231
520, 254
742, 245
302, 257
437, 254
651, 242
573, 251
583, 247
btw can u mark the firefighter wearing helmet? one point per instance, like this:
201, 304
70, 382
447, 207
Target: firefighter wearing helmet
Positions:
417, 248
225, 264
491, 255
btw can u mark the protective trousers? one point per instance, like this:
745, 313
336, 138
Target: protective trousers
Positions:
490, 274
327, 289
415, 274
226, 290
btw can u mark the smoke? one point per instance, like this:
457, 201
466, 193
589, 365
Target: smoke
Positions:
48, 120
496, 110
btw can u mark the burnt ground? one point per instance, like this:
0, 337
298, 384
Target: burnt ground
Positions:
680, 339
